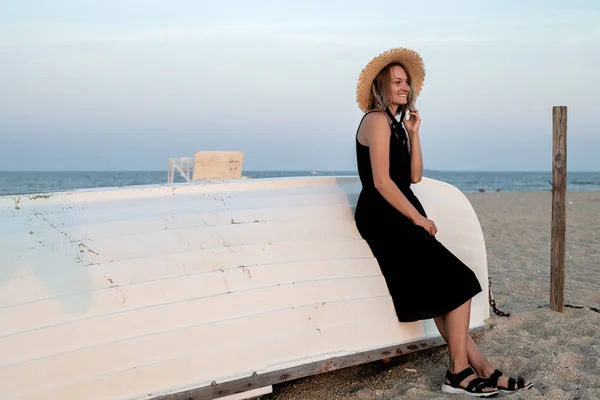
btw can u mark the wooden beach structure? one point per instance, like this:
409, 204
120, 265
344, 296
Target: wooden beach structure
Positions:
207, 166
204, 290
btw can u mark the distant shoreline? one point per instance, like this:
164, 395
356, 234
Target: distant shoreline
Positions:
28, 182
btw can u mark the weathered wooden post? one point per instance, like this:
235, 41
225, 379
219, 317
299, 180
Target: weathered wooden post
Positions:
559, 184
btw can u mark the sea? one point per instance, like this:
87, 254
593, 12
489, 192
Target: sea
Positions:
26, 182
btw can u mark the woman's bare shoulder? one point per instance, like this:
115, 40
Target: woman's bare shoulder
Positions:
376, 116
376, 123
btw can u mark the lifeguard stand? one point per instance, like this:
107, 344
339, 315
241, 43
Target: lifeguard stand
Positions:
183, 165
208, 165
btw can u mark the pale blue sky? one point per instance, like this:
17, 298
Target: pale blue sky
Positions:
125, 84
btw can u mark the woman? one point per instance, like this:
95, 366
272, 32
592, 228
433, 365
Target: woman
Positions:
424, 278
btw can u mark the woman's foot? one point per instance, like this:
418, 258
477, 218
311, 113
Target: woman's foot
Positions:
467, 382
505, 383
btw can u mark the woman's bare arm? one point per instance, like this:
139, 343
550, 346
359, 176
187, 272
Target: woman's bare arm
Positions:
416, 158
412, 126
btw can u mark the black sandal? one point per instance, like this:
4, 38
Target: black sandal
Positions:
513, 385
474, 388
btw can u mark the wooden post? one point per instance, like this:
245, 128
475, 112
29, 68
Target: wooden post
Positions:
559, 184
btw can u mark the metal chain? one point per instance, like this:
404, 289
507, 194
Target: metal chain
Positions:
493, 302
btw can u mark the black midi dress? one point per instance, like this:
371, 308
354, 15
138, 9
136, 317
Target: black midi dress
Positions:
424, 278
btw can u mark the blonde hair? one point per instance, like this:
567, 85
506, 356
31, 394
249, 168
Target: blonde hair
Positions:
380, 90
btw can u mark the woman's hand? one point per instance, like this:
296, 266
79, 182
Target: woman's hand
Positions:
412, 125
428, 224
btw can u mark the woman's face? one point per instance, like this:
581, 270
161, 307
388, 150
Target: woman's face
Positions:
400, 87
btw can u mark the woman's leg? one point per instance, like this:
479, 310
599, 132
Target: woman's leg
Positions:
476, 359
456, 334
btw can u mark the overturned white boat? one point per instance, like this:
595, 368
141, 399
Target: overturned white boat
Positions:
201, 291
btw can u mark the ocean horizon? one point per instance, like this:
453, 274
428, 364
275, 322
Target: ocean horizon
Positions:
27, 182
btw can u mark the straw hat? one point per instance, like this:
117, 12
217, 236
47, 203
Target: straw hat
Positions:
411, 60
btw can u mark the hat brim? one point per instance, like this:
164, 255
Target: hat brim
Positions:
411, 60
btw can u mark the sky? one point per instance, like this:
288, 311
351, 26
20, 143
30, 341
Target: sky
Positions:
126, 84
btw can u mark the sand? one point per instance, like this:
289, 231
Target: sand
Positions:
559, 353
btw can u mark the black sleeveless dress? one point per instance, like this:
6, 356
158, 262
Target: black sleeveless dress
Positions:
424, 278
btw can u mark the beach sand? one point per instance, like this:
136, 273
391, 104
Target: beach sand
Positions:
559, 353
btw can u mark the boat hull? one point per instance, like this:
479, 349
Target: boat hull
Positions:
205, 289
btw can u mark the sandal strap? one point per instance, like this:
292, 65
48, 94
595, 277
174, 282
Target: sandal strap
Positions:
456, 379
493, 379
511, 384
520, 383
476, 385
